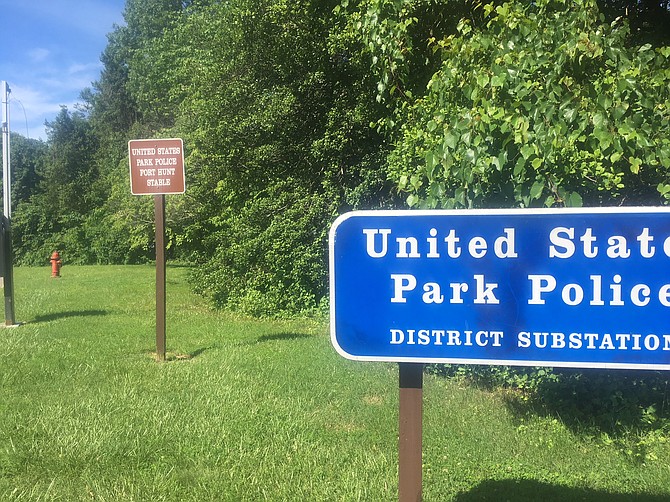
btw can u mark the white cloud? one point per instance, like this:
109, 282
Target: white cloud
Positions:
39, 54
88, 68
39, 91
33, 107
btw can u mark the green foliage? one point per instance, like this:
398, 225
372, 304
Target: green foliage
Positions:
277, 142
397, 34
269, 256
57, 196
69, 176
27, 158
540, 104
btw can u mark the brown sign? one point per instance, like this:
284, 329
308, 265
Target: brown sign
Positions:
156, 166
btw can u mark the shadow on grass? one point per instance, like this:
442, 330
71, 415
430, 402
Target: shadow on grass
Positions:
520, 490
179, 356
623, 404
197, 352
281, 336
70, 313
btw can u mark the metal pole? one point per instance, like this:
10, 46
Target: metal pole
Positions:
410, 474
6, 152
159, 209
8, 279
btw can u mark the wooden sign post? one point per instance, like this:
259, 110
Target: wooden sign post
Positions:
410, 429
157, 168
159, 210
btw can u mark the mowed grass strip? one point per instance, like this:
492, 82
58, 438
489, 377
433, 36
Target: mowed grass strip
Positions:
253, 410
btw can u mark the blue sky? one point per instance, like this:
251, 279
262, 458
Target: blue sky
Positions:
49, 52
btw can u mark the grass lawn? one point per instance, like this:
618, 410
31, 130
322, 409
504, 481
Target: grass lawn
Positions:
255, 410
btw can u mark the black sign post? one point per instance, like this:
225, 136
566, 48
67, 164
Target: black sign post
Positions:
7, 272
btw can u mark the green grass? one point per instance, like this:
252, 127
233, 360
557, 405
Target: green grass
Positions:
254, 410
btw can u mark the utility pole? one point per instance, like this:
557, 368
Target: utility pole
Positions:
7, 258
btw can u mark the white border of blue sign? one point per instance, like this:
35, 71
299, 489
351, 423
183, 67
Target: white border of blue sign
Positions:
511, 247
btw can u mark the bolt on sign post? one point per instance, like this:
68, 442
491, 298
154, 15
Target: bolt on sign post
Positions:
575, 288
157, 168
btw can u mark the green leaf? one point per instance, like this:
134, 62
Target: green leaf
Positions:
451, 140
495, 161
519, 166
527, 151
604, 138
431, 161
615, 157
482, 80
598, 120
635, 164
664, 156
536, 190
574, 200
497, 81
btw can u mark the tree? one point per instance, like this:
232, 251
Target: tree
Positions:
269, 132
28, 157
29, 221
537, 104
69, 176
114, 108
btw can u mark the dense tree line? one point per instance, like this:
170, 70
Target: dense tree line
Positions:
293, 112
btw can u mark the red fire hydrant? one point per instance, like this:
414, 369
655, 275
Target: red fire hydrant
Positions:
56, 264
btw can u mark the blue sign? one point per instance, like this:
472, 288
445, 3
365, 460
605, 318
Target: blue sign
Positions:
565, 288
